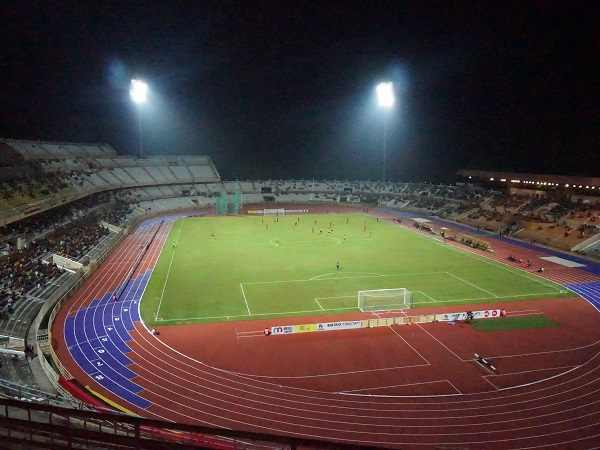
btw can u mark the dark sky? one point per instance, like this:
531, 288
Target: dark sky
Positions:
286, 89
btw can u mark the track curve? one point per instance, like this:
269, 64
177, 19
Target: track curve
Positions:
560, 410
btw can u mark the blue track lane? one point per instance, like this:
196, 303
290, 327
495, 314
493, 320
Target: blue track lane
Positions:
97, 337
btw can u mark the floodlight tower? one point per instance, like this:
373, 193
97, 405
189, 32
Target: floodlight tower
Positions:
138, 91
385, 95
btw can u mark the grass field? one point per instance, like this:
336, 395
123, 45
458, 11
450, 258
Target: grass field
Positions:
246, 271
514, 323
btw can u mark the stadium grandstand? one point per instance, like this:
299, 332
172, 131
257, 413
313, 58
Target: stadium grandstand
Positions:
64, 207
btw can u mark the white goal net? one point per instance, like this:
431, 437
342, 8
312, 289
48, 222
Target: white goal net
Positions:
274, 212
384, 299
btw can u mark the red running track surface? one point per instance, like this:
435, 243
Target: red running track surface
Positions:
407, 387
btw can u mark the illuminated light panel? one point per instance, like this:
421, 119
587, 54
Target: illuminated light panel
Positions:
385, 94
138, 91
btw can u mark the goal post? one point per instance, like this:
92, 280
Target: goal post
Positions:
274, 212
384, 299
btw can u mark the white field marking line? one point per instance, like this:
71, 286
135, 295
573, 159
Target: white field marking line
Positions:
438, 341
162, 294
102, 280
364, 275
334, 374
242, 333
475, 286
490, 298
411, 347
91, 291
498, 264
317, 302
486, 378
542, 380
255, 335
259, 334
428, 296
185, 356
455, 388
539, 313
338, 296
354, 391
191, 359
345, 278
260, 314
245, 300
534, 370
547, 352
291, 242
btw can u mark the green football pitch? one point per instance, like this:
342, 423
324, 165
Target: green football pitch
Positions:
243, 268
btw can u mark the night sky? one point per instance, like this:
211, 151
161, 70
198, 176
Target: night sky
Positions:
286, 89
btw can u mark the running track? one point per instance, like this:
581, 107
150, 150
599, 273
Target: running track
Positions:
117, 355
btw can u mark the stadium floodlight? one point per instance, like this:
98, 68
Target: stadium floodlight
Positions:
138, 91
385, 95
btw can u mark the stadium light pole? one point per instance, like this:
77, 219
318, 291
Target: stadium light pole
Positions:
385, 95
137, 92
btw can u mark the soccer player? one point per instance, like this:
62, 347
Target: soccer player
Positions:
276, 241
344, 238
337, 265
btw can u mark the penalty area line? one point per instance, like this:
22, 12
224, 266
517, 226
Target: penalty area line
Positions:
245, 300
